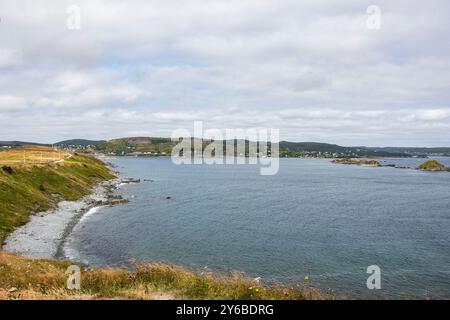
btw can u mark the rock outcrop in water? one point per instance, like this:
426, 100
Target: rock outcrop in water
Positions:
358, 162
370, 163
130, 180
432, 165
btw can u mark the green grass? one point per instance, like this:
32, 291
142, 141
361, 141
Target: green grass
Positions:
25, 189
432, 165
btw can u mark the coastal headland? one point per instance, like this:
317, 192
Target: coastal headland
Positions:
43, 191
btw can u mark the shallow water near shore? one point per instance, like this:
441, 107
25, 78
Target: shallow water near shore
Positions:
325, 221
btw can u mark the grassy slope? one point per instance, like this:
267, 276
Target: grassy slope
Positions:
22, 278
139, 144
31, 189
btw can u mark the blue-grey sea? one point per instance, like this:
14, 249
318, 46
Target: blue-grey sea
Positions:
314, 218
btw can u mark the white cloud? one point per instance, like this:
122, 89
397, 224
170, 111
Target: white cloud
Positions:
11, 103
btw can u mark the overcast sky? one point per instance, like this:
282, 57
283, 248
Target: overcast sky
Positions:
312, 68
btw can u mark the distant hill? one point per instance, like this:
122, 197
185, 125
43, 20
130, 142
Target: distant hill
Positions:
139, 145
158, 145
414, 150
316, 147
65, 143
79, 142
162, 146
21, 143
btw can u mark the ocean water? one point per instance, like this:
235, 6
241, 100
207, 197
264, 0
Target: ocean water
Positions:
325, 221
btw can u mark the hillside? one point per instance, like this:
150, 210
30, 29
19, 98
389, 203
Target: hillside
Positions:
134, 145
154, 146
65, 143
295, 149
418, 151
78, 142
35, 179
157, 146
21, 143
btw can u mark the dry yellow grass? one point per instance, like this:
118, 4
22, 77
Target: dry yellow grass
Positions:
23, 278
31, 155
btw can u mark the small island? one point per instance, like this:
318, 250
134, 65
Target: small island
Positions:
359, 162
432, 165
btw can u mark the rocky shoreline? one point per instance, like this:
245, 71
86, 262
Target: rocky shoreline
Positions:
44, 235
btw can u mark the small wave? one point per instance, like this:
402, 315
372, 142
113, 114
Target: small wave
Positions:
90, 212
64, 250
